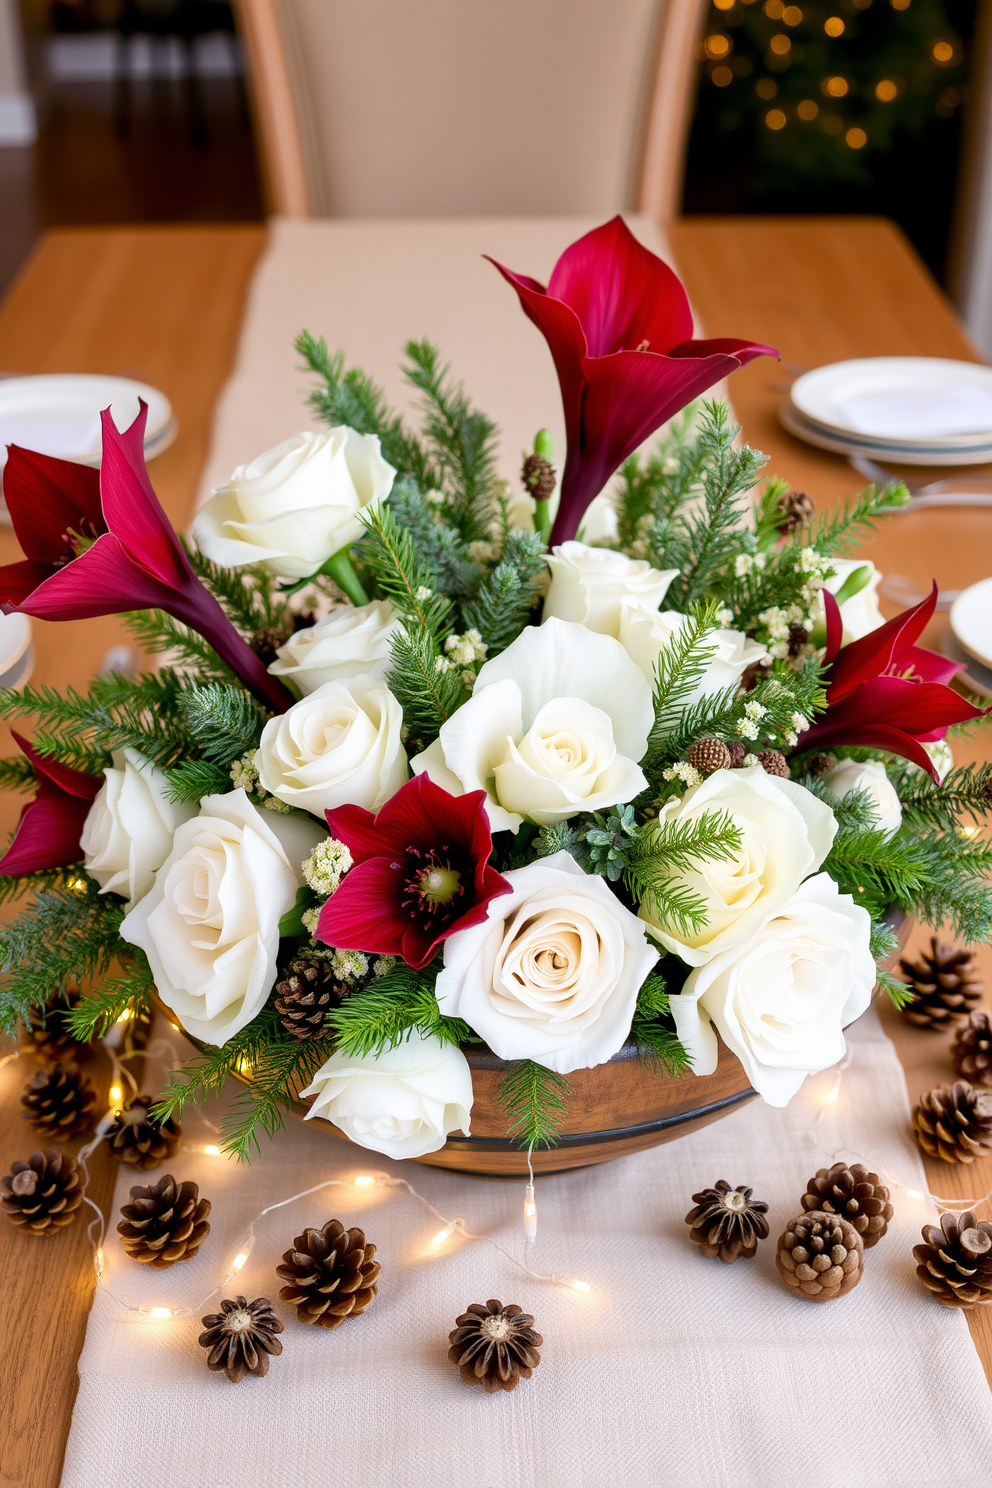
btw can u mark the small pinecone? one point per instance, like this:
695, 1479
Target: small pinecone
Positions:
820, 1256
164, 1223
47, 1034
307, 992
956, 1261
495, 1346
738, 754
241, 1337
140, 1141
858, 1196
797, 510
944, 983
266, 642
331, 1275
539, 477
58, 1102
972, 1049
774, 762
798, 638
708, 755
727, 1222
42, 1194
955, 1122
819, 763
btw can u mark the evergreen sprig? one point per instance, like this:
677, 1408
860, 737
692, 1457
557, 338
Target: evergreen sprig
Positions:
964, 792
69, 933
660, 857
102, 1006
536, 1102
503, 604
460, 439
384, 1012
206, 1073
223, 722
281, 1067
651, 1028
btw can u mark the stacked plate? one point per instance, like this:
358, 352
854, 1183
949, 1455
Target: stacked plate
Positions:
970, 640
60, 415
909, 410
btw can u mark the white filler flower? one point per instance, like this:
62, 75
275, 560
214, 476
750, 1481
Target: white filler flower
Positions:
589, 585
644, 635
349, 642
128, 832
785, 835
782, 1001
870, 777
555, 725
296, 505
340, 746
553, 973
403, 1101
210, 923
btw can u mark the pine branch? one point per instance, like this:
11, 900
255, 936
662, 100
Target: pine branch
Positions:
669, 849
249, 596
389, 554
461, 440
69, 933
224, 722
190, 781
425, 685
207, 1073
383, 1013
509, 593
966, 791
282, 1067
657, 1041
679, 669
536, 1101
17, 773
157, 633
847, 524
103, 1006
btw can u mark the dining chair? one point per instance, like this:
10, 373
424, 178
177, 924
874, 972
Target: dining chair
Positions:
433, 108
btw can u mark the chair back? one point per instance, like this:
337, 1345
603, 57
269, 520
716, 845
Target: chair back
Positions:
446, 108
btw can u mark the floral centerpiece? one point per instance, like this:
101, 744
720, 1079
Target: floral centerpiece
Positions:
425, 763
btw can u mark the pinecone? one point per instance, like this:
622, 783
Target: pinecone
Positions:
58, 1102
266, 642
798, 638
164, 1223
708, 755
42, 1194
819, 763
956, 1261
331, 1275
955, 1122
140, 1141
797, 510
773, 762
495, 1346
972, 1049
241, 1337
307, 993
945, 985
738, 754
47, 1034
727, 1222
858, 1196
820, 1256
539, 477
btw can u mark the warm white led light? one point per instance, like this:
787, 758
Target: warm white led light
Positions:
116, 1095
446, 1233
363, 1181
580, 1286
160, 1312
212, 1150
914, 1193
239, 1260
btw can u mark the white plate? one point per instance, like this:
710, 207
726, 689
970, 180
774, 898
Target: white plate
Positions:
976, 678
902, 400
900, 454
971, 621
60, 415
16, 650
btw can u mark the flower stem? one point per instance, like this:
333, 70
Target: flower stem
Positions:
338, 567
542, 520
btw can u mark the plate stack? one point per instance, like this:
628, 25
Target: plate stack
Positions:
908, 410
970, 640
60, 415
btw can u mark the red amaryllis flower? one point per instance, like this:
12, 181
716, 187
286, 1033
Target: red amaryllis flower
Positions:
99, 543
51, 825
618, 323
886, 692
421, 872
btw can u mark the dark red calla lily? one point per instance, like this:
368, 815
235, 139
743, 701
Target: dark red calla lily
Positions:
885, 692
134, 561
51, 825
619, 327
421, 872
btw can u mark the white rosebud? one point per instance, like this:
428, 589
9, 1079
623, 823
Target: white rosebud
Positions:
296, 505
209, 925
340, 746
129, 828
870, 777
552, 974
588, 585
402, 1102
349, 642
781, 1001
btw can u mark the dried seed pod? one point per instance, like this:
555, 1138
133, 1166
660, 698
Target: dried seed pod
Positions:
241, 1337
331, 1274
955, 1261
495, 1346
856, 1195
820, 1256
955, 1122
42, 1194
727, 1222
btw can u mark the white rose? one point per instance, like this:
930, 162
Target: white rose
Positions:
785, 835
871, 778
555, 725
340, 746
128, 832
347, 643
402, 1102
644, 635
553, 973
781, 1002
210, 923
296, 505
860, 614
588, 585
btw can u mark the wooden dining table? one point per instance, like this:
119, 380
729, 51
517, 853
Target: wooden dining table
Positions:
165, 305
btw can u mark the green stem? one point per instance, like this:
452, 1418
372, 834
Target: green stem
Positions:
542, 520
338, 567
